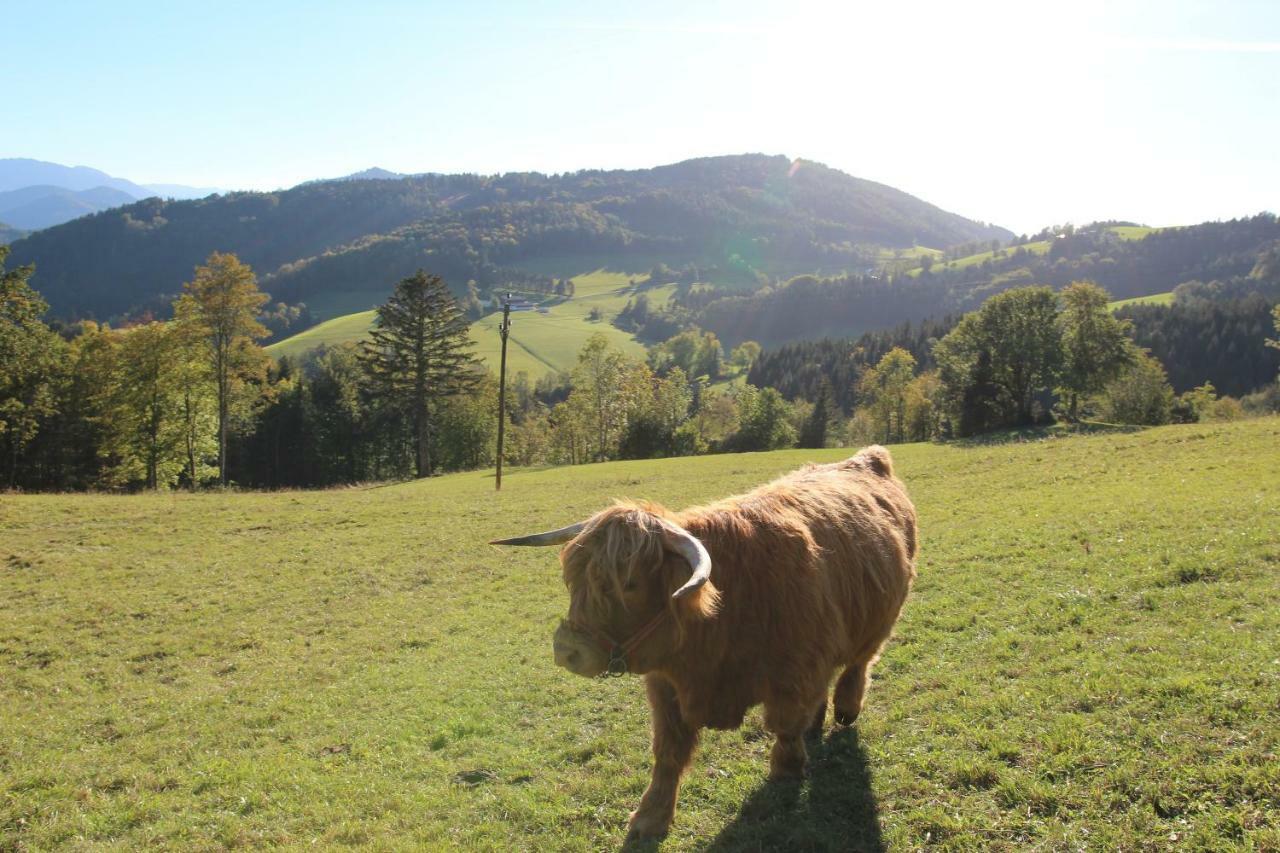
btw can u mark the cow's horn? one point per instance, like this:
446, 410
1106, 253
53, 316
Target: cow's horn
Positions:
551, 537
687, 545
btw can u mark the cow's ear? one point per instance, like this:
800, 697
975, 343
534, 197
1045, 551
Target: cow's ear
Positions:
700, 603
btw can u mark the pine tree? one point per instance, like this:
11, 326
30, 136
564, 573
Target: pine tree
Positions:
419, 355
818, 425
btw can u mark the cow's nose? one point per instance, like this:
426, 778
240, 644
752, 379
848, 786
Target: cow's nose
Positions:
566, 656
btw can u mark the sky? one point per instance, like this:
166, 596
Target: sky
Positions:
1023, 114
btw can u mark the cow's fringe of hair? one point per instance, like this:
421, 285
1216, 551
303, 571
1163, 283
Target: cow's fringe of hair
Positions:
627, 543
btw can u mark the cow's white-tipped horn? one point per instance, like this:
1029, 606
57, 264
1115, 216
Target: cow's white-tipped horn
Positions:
551, 537
687, 545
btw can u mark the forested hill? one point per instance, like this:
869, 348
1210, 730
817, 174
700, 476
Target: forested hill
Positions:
749, 215
1223, 257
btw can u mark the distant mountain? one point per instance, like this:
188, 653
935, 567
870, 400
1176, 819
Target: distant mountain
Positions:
8, 234
753, 216
18, 172
179, 191
39, 206
371, 174
374, 174
35, 194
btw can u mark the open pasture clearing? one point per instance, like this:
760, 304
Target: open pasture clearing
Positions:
1089, 659
539, 343
1165, 298
1039, 247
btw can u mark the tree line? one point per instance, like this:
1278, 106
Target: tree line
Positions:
195, 401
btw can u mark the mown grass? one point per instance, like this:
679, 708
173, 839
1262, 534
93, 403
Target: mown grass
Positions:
539, 343
1089, 660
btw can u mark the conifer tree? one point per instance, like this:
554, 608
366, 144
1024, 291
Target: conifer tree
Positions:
419, 355
818, 425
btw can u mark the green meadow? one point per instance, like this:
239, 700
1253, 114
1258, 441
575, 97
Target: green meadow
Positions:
1089, 660
1165, 298
539, 343
1039, 247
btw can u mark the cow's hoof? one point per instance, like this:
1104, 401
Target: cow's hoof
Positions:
845, 718
643, 826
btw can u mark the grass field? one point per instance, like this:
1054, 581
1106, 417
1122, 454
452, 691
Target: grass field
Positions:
1132, 232
1089, 660
1165, 298
539, 343
1039, 247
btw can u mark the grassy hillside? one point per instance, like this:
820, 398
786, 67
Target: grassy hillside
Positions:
1088, 660
539, 343
1165, 298
1039, 247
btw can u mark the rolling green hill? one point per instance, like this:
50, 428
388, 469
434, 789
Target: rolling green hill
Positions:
1087, 661
745, 216
539, 343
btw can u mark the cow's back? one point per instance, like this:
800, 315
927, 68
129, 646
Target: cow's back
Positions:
813, 568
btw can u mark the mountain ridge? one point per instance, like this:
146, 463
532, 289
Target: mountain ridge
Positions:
750, 215
49, 194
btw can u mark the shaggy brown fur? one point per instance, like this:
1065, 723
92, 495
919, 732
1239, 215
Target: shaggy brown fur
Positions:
809, 575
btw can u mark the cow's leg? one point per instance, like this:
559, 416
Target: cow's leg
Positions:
788, 721
673, 744
819, 718
850, 689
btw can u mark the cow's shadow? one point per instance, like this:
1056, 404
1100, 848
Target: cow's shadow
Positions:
834, 809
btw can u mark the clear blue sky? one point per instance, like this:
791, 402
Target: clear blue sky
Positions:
1021, 113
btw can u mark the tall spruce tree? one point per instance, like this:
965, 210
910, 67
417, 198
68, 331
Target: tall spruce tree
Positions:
419, 355
817, 426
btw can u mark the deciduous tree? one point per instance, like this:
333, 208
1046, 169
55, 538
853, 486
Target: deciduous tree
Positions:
1095, 345
884, 387
1140, 394
220, 305
1012, 344
31, 358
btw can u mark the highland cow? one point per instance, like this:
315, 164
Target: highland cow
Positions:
810, 573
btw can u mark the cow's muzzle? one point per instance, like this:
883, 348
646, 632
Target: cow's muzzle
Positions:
579, 652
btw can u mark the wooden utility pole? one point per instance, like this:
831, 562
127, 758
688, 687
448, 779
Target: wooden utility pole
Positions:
503, 330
